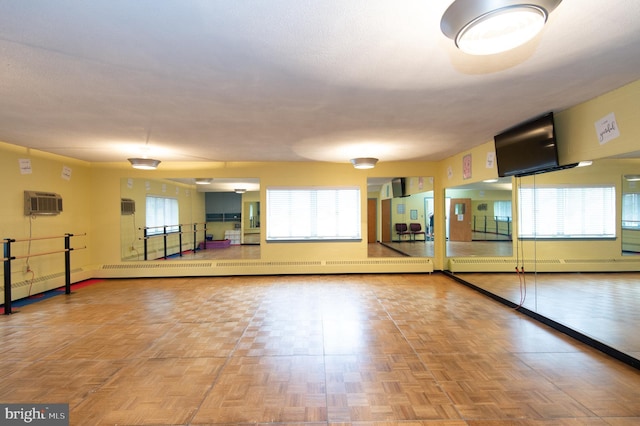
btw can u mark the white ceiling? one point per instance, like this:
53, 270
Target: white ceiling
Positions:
288, 80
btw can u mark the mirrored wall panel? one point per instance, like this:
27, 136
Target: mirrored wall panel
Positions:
190, 218
575, 250
400, 216
479, 219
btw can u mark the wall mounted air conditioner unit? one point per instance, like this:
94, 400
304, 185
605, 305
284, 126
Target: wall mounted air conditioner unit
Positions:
42, 203
127, 206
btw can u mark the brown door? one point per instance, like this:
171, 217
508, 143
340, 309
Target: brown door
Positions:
386, 220
372, 220
460, 219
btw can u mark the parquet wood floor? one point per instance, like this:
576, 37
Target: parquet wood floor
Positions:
603, 306
343, 350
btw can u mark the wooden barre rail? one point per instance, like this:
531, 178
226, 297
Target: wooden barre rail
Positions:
178, 231
148, 237
27, 256
43, 238
8, 258
172, 226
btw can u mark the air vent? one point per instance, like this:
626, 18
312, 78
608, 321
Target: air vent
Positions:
127, 206
42, 203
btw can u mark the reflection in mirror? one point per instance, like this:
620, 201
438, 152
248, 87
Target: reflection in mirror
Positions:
251, 218
631, 214
190, 218
479, 219
582, 268
400, 216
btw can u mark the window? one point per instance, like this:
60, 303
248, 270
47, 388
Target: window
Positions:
567, 212
310, 214
631, 211
502, 209
161, 212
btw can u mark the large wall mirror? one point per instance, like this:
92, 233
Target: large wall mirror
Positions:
576, 241
631, 213
400, 216
209, 218
479, 219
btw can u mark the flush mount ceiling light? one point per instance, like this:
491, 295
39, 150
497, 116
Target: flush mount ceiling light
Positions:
486, 27
144, 163
364, 163
203, 181
632, 178
240, 190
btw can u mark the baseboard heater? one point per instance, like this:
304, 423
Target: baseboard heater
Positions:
504, 264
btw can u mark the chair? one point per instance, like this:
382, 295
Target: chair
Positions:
401, 229
416, 229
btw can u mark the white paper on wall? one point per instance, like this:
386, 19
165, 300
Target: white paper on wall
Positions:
607, 129
491, 157
25, 166
66, 173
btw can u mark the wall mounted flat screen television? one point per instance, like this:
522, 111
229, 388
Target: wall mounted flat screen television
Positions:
528, 148
399, 187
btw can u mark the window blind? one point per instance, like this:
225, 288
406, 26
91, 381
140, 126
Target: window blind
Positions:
567, 212
162, 211
302, 214
631, 211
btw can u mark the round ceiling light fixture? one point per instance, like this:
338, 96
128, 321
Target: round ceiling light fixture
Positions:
203, 181
364, 162
486, 27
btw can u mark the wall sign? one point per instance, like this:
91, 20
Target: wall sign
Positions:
491, 159
607, 129
466, 167
25, 166
66, 173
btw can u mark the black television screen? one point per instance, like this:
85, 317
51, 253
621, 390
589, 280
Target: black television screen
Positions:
527, 148
398, 187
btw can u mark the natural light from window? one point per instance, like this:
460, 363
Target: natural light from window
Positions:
567, 212
162, 212
313, 214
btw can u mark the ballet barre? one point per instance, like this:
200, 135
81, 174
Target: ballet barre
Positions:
8, 258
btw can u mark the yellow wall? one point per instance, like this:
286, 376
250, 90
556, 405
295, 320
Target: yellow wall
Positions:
46, 175
578, 141
191, 210
576, 133
107, 180
92, 194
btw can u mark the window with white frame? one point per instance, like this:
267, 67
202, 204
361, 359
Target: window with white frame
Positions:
567, 211
631, 211
313, 214
162, 212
